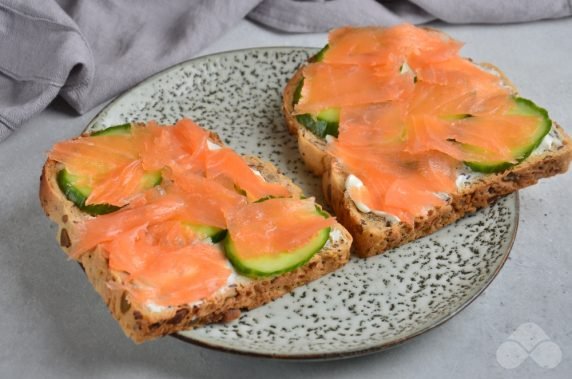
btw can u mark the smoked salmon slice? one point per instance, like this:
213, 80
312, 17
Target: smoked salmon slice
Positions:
208, 201
170, 277
389, 178
228, 168
161, 241
382, 126
327, 86
129, 250
182, 147
119, 186
458, 72
411, 112
275, 226
198, 207
378, 46
93, 158
106, 227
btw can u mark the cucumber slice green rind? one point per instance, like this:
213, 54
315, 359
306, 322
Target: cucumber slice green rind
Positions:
527, 107
278, 263
320, 55
72, 193
322, 212
488, 168
99, 209
115, 130
76, 196
523, 107
455, 117
212, 232
298, 92
318, 127
220, 236
264, 199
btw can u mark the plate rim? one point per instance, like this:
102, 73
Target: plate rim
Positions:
310, 356
383, 346
150, 78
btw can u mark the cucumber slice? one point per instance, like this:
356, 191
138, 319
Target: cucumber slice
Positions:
320, 55
522, 107
325, 123
207, 231
276, 263
264, 199
320, 128
219, 236
455, 117
78, 194
489, 167
123, 129
298, 92
331, 115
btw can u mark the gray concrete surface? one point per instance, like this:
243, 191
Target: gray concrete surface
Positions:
53, 325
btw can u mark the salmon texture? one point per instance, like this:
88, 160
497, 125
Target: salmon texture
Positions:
411, 112
171, 183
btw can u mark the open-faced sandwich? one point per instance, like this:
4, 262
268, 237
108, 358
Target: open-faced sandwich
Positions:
175, 230
409, 136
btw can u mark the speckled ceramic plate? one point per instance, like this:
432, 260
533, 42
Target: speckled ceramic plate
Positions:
368, 305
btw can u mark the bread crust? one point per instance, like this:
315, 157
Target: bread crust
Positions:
374, 234
311, 148
142, 324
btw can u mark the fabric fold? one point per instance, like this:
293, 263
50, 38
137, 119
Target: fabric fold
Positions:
89, 51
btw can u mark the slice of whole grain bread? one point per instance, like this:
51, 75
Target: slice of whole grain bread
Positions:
375, 234
142, 323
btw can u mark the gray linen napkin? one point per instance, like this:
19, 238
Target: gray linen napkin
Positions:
321, 15
87, 51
